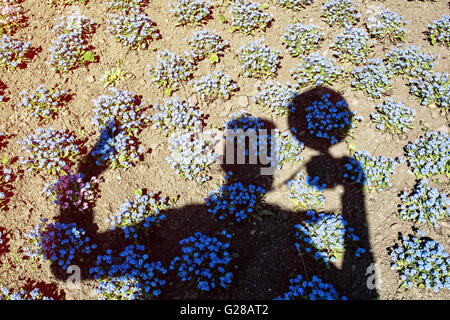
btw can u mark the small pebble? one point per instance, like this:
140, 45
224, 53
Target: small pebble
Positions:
243, 101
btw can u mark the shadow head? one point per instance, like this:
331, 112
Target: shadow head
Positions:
247, 150
321, 118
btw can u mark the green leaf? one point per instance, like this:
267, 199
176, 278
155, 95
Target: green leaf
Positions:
254, 216
174, 200
351, 147
89, 56
5, 159
122, 158
266, 212
139, 192
222, 18
213, 58
168, 92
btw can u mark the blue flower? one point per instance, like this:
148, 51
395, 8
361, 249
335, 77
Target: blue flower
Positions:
258, 60
386, 24
310, 290
12, 52
247, 17
340, 12
190, 12
439, 31
324, 235
421, 262
68, 50
429, 155
204, 261
59, 242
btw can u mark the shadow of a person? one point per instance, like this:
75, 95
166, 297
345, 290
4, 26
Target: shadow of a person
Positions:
263, 251
353, 275
258, 248
262, 245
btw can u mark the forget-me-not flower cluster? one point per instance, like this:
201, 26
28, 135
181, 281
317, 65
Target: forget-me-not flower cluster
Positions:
421, 262
430, 155
373, 172
215, 85
374, 78
352, 45
387, 24
432, 88
144, 213
206, 44
134, 30
13, 52
301, 40
125, 6
176, 116
171, 70
239, 125
191, 155
128, 275
50, 150
116, 148
306, 192
120, 118
439, 30
59, 242
22, 294
288, 148
204, 261
293, 4
394, 116
409, 61
234, 201
277, 97
5, 186
43, 103
330, 121
315, 289
340, 13
247, 17
190, 12
317, 70
68, 51
258, 60
122, 109
424, 204
324, 236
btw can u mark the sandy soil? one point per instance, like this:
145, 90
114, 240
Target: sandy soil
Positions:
260, 277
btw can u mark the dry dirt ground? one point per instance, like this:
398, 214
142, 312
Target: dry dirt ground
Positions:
28, 206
